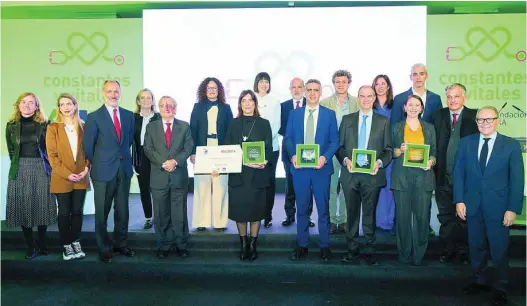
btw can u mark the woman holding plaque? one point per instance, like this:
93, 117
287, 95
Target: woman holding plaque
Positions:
209, 121
413, 181
247, 190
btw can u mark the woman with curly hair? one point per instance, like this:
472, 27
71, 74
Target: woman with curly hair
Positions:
29, 201
208, 125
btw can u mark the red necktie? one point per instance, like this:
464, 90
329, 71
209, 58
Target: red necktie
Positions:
297, 104
454, 119
117, 124
168, 135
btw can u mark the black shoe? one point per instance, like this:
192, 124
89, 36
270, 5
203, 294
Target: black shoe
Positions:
499, 297
343, 227
325, 254
475, 288
148, 224
332, 228
447, 257
351, 256
183, 253
431, 232
124, 251
371, 260
464, 259
201, 229
311, 224
162, 254
220, 229
252, 248
268, 222
30, 254
105, 257
299, 253
288, 221
244, 248
42, 249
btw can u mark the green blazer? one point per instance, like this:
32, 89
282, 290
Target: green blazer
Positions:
331, 103
399, 172
12, 135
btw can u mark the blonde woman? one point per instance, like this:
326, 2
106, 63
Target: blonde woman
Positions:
69, 175
29, 201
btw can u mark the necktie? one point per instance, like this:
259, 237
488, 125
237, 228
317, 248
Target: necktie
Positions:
310, 128
168, 135
483, 155
117, 124
297, 104
362, 133
454, 120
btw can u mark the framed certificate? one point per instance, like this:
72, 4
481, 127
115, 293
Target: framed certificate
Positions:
253, 153
363, 161
307, 155
416, 155
223, 159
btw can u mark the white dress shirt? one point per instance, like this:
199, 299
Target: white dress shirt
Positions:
73, 138
315, 119
492, 140
146, 120
423, 97
165, 127
269, 108
110, 111
299, 104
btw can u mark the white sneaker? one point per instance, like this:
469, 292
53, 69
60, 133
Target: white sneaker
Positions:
78, 250
68, 253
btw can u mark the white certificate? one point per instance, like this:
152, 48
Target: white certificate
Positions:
223, 159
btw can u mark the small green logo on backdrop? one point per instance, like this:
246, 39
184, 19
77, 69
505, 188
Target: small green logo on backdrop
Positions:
487, 45
86, 49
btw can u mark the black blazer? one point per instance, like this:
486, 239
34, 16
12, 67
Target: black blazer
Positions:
442, 124
399, 172
285, 108
137, 150
199, 124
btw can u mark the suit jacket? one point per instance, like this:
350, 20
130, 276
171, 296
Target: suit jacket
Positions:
400, 173
326, 136
199, 124
12, 134
433, 103
102, 147
497, 190
62, 162
442, 123
380, 140
137, 150
331, 103
285, 108
156, 151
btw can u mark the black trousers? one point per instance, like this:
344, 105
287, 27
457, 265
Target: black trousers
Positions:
290, 198
453, 231
71, 205
271, 190
117, 190
144, 185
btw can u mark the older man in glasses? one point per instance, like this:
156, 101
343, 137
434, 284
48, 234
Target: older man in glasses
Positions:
488, 193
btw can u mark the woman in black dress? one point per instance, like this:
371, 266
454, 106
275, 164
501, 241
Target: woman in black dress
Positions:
247, 189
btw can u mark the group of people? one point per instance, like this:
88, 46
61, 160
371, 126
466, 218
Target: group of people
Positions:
476, 173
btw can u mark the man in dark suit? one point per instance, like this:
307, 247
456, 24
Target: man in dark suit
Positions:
364, 130
313, 124
297, 92
432, 101
451, 124
488, 193
108, 135
168, 145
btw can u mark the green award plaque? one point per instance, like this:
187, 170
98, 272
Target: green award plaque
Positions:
253, 153
363, 161
416, 155
307, 155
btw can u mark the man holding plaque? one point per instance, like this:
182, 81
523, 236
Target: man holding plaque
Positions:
365, 147
488, 193
311, 139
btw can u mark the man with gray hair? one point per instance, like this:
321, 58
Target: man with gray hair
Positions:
451, 124
342, 103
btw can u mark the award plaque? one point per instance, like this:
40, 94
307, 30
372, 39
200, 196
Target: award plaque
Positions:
363, 161
307, 155
253, 153
416, 155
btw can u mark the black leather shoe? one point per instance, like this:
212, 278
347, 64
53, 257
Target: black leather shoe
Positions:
288, 221
371, 260
325, 254
475, 288
105, 257
42, 249
332, 228
447, 257
253, 254
183, 253
162, 254
30, 254
351, 256
220, 229
201, 229
124, 251
299, 253
464, 259
244, 248
311, 224
268, 222
499, 297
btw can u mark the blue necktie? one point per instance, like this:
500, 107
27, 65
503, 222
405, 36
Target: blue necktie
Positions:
362, 133
483, 155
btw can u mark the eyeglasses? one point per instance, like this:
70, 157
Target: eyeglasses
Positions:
486, 120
